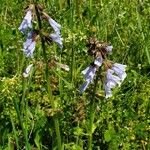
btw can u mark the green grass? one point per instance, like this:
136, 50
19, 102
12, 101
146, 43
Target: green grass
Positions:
46, 110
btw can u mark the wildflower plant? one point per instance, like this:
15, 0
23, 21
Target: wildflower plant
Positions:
35, 33
113, 75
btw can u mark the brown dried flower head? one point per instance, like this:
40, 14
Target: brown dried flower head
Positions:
97, 48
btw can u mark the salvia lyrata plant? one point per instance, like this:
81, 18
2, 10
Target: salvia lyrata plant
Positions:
114, 74
34, 33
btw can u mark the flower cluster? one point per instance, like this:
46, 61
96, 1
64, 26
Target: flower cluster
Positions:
115, 73
32, 35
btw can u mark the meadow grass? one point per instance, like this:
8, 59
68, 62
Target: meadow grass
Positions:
46, 111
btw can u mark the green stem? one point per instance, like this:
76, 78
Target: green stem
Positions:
60, 4
143, 36
14, 131
90, 7
21, 123
72, 64
50, 96
92, 111
72, 49
24, 108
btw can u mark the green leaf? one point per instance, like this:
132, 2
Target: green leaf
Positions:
107, 136
37, 140
93, 127
78, 131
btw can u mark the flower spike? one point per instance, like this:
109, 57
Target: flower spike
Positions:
115, 72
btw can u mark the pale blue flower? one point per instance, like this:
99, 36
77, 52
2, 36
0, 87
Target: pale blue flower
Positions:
84, 86
29, 45
89, 74
112, 80
27, 22
98, 61
57, 38
119, 69
108, 92
55, 25
27, 71
109, 48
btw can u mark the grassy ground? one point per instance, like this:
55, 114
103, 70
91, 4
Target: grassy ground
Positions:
33, 116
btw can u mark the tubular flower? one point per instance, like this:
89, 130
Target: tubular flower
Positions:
54, 25
29, 45
108, 92
27, 22
27, 71
112, 80
89, 74
84, 86
57, 38
119, 69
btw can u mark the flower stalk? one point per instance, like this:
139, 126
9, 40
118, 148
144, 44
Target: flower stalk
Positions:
50, 95
92, 111
114, 75
24, 107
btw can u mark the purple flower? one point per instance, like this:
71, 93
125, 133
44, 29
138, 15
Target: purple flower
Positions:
89, 74
27, 71
27, 22
55, 25
119, 69
57, 38
29, 45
